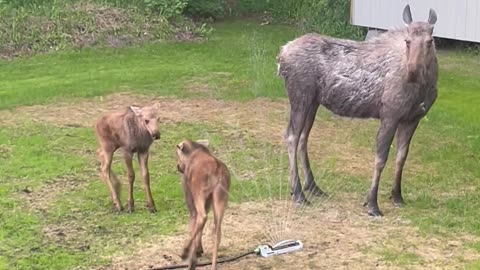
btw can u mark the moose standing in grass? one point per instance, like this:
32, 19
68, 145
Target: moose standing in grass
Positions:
133, 130
392, 77
206, 184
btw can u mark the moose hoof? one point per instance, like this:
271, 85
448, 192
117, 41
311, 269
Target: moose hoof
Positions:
151, 208
117, 208
398, 201
301, 200
375, 212
199, 253
185, 252
130, 207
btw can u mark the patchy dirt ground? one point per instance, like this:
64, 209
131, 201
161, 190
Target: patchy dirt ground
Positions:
337, 234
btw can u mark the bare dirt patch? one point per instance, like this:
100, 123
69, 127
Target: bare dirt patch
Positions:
336, 236
41, 199
263, 118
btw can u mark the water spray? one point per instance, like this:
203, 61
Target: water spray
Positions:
282, 247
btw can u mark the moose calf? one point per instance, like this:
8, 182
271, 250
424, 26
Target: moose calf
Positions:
206, 182
133, 130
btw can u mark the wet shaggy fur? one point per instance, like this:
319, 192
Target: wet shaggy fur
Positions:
392, 77
357, 79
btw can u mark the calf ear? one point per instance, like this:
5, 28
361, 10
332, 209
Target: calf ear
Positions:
205, 143
136, 110
180, 146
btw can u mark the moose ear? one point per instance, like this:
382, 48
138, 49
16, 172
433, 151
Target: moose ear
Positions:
180, 146
205, 143
136, 110
407, 15
432, 17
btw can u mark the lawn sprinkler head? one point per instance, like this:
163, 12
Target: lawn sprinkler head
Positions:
281, 247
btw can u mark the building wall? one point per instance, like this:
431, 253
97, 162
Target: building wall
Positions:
457, 19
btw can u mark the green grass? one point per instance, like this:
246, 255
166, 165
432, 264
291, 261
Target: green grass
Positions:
399, 258
227, 60
237, 63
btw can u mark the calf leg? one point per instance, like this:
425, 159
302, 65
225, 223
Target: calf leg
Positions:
201, 219
404, 136
193, 217
131, 178
310, 184
109, 177
143, 161
219, 203
186, 248
384, 140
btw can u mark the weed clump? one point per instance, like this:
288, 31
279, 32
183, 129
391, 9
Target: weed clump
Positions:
34, 29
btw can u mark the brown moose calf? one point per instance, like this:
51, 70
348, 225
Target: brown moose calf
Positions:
133, 130
206, 182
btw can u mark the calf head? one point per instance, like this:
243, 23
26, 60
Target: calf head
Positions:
185, 149
148, 118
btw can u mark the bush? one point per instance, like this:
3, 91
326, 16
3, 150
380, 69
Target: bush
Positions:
167, 8
331, 17
205, 8
31, 28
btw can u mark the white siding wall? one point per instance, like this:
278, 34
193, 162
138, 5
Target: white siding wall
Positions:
457, 19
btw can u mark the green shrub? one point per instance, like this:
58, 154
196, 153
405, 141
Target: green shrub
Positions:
331, 17
205, 8
166, 8
31, 28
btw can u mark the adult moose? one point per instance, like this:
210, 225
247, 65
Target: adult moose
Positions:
392, 77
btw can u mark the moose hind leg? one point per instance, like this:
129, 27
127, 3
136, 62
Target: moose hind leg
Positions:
220, 198
200, 221
295, 127
109, 177
404, 136
384, 140
310, 184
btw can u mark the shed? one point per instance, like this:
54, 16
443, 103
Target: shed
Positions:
457, 19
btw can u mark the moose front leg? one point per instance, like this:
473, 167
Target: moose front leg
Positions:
384, 140
143, 160
131, 178
404, 137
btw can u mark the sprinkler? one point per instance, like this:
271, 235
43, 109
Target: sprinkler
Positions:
282, 247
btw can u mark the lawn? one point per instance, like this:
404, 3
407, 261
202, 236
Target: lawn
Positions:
56, 213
